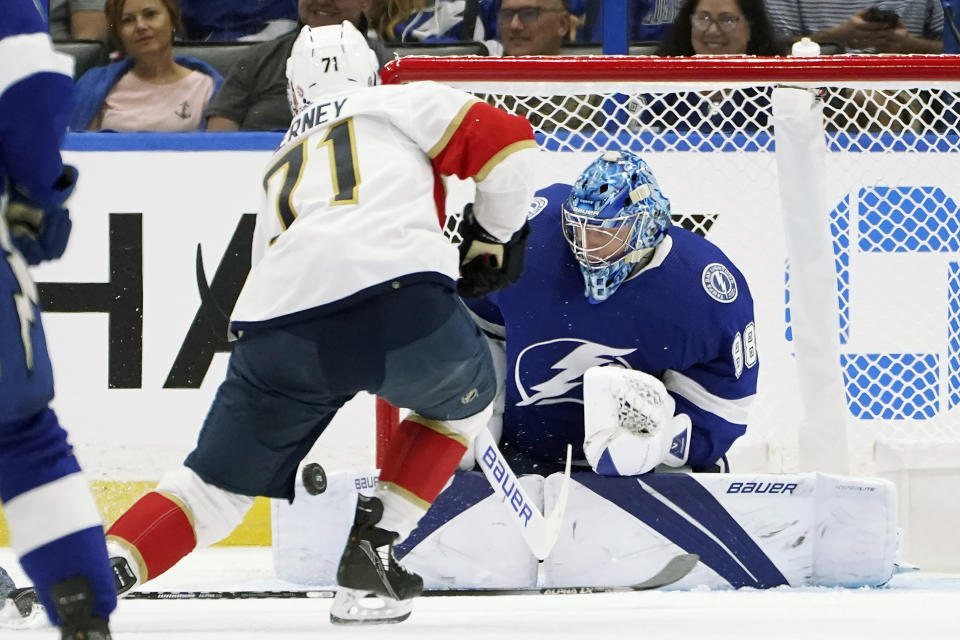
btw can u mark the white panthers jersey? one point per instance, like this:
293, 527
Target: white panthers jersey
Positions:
353, 195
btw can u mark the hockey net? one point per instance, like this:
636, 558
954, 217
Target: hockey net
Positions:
891, 186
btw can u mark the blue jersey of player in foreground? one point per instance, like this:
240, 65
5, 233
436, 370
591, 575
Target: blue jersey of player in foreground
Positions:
55, 527
665, 302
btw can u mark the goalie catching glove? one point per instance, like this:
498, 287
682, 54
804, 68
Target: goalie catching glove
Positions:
41, 232
486, 264
629, 423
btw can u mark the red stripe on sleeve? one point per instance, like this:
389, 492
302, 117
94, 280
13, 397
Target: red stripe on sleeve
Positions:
482, 134
439, 196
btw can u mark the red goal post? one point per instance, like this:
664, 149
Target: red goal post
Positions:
860, 345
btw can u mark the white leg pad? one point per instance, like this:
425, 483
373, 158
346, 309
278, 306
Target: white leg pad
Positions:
495, 423
470, 427
750, 530
309, 534
216, 512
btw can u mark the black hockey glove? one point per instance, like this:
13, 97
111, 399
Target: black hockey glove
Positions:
486, 264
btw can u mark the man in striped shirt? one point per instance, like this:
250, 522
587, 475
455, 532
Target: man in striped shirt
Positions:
919, 28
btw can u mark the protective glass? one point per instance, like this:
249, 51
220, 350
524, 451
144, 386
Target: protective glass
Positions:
726, 22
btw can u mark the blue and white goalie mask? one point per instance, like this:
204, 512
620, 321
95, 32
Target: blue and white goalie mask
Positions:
328, 61
613, 218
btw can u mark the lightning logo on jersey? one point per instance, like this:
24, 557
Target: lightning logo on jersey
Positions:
27, 298
578, 356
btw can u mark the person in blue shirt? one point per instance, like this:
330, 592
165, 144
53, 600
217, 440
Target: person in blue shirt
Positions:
629, 338
249, 21
55, 528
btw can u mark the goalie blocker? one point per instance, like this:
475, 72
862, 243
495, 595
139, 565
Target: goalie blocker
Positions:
757, 531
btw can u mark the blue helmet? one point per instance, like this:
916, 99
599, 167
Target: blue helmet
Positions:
612, 219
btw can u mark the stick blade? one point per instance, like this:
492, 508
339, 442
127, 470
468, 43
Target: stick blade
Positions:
554, 520
675, 570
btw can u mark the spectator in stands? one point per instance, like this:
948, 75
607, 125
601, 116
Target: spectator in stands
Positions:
916, 28
714, 27
77, 20
720, 27
434, 20
149, 89
254, 95
247, 21
533, 27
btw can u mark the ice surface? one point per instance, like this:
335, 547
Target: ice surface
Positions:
914, 605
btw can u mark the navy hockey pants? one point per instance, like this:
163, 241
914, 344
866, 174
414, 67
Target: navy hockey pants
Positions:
416, 346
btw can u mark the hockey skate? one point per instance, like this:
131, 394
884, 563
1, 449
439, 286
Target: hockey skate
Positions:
73, 598
368, 567
22, 608
123, 576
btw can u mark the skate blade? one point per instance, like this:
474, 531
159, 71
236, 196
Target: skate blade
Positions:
12, 618
352, 607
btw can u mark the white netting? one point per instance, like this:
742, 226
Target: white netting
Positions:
893, 170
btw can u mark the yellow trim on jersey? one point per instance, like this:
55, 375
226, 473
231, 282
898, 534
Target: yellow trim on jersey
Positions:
133, 551
501, 155
439, 427
304, 156
330, 143
452, 128
283, 171
403, 494
183, 507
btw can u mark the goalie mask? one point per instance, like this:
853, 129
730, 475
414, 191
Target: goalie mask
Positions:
327, 61
613, 218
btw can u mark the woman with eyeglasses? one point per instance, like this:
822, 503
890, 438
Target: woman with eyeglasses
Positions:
720, 27
713, 27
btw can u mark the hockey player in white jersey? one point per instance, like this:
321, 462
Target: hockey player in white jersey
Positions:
353, 287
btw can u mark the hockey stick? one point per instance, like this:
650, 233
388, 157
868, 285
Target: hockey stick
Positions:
214, 313
539, 532
677, 568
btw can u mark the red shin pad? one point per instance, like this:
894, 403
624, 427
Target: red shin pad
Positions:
421, 459
159, 529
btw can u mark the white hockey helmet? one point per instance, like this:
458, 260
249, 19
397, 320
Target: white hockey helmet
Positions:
326, 61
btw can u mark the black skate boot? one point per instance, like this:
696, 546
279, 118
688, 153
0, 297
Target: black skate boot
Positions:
73, 600
123, 576
22, 609
369, 567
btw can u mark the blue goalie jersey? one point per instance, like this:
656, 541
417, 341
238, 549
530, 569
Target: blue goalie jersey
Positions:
686, 317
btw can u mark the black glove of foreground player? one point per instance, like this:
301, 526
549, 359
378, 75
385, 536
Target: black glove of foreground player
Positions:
486, 264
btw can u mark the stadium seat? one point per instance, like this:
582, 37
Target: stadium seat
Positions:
219, 55
86, 54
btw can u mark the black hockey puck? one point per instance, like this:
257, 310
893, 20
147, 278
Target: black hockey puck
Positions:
314, 479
